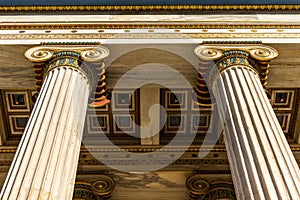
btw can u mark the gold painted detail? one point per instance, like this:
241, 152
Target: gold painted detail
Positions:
87, 53
198, 189
196, 185
99, 188
57, 56
148, 25
69, 43
237, 60
258, 52
263, 53
39, 55
104, 186
155, 8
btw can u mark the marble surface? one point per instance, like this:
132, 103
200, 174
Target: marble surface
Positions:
149, 186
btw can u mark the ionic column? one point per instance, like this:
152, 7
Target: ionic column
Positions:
45, 163
261, 161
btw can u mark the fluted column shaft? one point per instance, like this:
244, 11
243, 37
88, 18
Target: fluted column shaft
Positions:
261, 161
45, 163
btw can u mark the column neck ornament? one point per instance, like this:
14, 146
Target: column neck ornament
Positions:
87, 58
216, 57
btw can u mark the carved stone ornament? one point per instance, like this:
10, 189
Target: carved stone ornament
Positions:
215, 52
196, 185
100, 188
38, 55
208, 53
103, 186
263, 53
94, 53
221, 55
85, 57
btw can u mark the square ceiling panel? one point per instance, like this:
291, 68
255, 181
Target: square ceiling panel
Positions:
16, 108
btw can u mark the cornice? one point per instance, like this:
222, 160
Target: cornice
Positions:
155, 8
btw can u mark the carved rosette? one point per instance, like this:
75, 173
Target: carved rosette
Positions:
216, 57
87, 58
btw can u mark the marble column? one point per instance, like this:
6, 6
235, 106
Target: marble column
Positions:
261, 161
45, 163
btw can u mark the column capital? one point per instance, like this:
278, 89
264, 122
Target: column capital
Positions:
217, 56
85, 57
80, 56
225, 55
87, 51
216, 50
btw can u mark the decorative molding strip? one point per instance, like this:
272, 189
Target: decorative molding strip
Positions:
144, 25
9, 149
70, 43
219, 148
155, 8
149, 36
